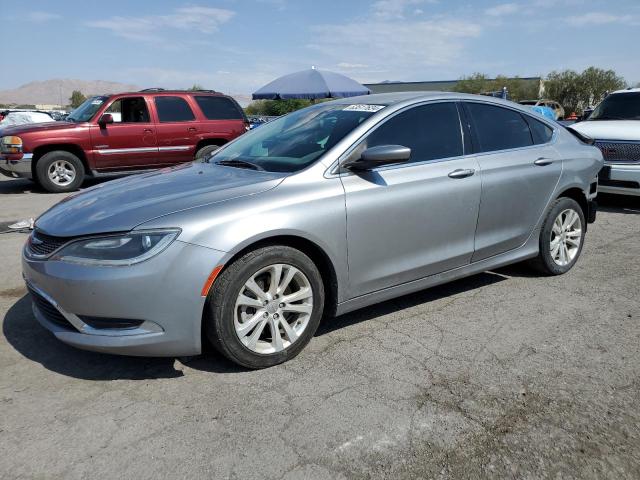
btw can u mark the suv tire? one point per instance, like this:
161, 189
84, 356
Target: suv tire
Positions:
561, 238
204, 152
59, 171
233, 304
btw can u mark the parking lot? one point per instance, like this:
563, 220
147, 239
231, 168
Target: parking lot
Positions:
505, 374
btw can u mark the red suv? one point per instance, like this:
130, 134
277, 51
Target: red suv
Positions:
119, 134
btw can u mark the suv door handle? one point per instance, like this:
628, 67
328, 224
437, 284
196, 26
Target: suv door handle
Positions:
147, 130
192, 129
542, 161
462, 173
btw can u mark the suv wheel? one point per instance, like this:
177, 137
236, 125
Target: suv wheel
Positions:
59, 171
265, 307
205, 152
561, 238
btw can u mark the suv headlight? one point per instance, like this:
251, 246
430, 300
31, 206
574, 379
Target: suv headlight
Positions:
11, 145
117, 250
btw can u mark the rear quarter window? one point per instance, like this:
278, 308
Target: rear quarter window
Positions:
540, 132
218, 108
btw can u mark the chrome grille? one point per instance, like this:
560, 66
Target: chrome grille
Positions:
44, 245
619, 152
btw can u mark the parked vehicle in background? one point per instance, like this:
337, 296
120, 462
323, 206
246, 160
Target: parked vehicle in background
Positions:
558, 109
23, 117
120, 134
546, 112
615, 126
249, 250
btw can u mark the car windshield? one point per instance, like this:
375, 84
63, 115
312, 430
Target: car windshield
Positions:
87, 110
619, 106
293, 142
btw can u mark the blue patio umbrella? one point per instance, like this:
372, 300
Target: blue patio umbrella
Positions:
311, 84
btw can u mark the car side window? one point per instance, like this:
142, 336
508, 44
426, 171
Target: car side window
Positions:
129, 110
218, 108
430, 131
540, 132
498, 128
173, 109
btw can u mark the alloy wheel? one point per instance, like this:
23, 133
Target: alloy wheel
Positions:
566, 236
61, 172
273, 308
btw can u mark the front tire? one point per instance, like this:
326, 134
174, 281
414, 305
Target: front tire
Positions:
265, 307
59, 171
561, 238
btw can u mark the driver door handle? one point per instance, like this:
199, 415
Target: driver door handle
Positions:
542, 161
462, 173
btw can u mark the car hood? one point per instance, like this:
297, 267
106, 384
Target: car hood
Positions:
37, 127
609, 129
121, 205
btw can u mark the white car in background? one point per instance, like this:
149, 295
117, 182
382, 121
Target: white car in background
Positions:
615, 127
23, 117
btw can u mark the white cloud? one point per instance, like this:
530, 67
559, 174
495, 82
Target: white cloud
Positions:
502, 9
348, 65
146, 28
393, 47
601, 18
42, 17
390, 9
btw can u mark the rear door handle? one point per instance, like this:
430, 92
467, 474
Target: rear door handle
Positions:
192, 129
541, 162
147, 130
462, 173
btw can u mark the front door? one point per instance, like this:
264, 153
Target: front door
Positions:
409, 221
130, 141
520, 171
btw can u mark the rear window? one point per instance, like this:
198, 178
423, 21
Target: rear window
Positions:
218, 108
173, 109
540, 132
499, 128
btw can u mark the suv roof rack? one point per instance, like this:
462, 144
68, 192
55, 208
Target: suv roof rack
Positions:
154, 89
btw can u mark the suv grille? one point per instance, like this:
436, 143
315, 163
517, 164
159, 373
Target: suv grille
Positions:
50, 312
620, 152
44, 245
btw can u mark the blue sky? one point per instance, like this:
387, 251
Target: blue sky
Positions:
236, 46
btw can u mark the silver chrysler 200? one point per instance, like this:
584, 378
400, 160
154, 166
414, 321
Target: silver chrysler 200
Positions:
320, 212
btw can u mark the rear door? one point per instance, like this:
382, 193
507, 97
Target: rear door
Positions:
520, 171
409, 221
130, 141
223, 117
177, 129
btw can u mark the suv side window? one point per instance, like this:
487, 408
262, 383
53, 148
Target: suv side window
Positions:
540, 132
218, 108
129, 110
498, 128
431, 132
173, 109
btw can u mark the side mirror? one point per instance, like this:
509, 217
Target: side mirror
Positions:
378, 156
105, 119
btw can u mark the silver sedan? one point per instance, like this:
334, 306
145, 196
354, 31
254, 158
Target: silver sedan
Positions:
321, 212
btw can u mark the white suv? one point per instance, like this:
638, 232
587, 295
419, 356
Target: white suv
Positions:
615, 126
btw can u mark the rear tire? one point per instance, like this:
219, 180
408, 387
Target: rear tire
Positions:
59, 171
244, 307
205, 152
561, 238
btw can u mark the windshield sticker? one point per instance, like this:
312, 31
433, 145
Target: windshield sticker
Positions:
96, 102
364, 108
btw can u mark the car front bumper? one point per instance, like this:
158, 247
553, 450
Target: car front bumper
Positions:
620, 178
162, 295
20, 168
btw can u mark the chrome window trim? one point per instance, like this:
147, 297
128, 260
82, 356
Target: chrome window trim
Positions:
115, 151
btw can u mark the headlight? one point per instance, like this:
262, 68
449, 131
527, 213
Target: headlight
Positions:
11, 145
117, 250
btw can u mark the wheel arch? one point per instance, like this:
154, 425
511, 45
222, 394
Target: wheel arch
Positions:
577, 194
72, 148
205, 142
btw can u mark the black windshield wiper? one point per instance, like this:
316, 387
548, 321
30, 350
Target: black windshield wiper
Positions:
240, 164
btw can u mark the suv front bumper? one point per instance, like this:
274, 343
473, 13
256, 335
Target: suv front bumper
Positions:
16, 168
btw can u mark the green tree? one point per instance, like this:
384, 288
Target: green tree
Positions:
76, 99
196, 86
475, 83
518, 88
276, 107
577, 91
